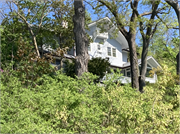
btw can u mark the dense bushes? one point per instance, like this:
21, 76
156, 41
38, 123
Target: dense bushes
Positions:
97, 66
62, 104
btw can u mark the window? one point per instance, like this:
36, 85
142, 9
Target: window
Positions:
99, 52
124, 72
99, 47
109, 51
114, 52
148, 74
89, 48
128, 72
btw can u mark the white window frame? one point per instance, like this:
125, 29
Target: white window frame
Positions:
114, 52
128, 70
109, 51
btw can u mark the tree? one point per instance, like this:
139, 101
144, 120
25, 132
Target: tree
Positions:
126, 27
9, 37
81, 39
32, 14
146, 40
62, 23
175, 5
164, 46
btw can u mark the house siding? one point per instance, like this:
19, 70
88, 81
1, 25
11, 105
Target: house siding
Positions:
110, 42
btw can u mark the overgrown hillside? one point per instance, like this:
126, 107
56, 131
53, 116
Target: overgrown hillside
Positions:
61, 104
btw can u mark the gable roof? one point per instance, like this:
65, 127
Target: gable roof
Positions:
120, 37
150, 60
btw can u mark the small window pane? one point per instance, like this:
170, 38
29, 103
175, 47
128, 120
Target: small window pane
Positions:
114, 52
99, 47
109, 51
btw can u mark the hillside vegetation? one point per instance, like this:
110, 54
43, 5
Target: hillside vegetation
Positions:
61, 104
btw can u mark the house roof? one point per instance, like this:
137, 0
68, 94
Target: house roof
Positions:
150, 60
120, 37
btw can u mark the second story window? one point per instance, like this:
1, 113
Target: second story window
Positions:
99, 47
109, 51
89, 48
114, 52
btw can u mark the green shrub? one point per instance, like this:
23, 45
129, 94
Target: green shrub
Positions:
61, 104
97, 66
69, 68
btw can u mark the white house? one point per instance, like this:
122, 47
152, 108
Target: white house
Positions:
115, 48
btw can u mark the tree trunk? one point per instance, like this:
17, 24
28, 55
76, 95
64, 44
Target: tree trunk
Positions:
143, 65
82, 57
132, 47
133, 61
130, 37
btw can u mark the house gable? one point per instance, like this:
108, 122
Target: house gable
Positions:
120, 38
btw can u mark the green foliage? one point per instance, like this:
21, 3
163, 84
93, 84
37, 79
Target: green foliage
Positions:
168, 82
12, 31
69, 68
61, 104
28, 67
97, 66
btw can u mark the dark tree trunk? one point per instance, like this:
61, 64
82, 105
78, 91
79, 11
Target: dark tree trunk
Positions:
130, 37
143, 65
146, 40
133, 61
82, 57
